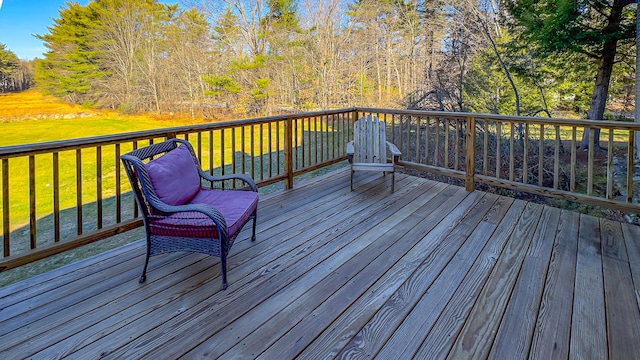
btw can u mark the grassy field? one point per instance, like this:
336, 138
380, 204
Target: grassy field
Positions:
31, 117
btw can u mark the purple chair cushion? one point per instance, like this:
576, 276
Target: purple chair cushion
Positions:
236, 206
174, 176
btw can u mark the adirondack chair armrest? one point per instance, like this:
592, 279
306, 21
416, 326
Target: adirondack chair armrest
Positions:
394, 151
350, 151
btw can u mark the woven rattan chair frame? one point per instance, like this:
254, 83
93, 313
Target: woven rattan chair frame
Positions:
152, 208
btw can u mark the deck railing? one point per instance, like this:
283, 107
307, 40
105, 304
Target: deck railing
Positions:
60, 195
539, 156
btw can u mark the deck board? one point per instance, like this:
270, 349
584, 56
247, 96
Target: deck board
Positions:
430, 271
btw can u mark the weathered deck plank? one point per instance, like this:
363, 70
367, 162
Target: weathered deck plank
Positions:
622, 325
588, 327
477, 335
430, 271
554, 318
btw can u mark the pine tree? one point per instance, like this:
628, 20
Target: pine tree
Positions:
594, 28
71, 64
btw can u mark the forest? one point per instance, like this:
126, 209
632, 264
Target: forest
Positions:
205, 58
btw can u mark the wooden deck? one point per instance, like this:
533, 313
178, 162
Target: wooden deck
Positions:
428, 272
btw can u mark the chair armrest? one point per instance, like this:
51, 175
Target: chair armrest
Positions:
207, 210
394, 149
350, 149
243, 177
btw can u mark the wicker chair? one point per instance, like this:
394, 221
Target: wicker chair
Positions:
184, 208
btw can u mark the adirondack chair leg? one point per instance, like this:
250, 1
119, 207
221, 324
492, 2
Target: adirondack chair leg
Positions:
393, 181
352, 179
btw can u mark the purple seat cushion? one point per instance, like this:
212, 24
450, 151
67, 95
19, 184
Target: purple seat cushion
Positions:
174, 176
236, 206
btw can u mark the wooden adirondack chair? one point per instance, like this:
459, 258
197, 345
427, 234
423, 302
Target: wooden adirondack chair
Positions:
368, 150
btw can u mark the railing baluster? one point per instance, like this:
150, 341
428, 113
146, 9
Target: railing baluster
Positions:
270, 149
99, 187
511, 151
427, 140
199, 146
6, 223
296, 153
630, 157
309, 161
118, 185
498, 148
456, 155
32, 201
79, 191
417, 153
233, 153
590, 161
556, 159
243, 167
222, 157
315, 140
253, 150
610, 165
572, 185
485, 150
261, 151
211, 165
134, 146
55, 168
278, 147
525, 160
436, 148
288, 153
447, 124
541, 156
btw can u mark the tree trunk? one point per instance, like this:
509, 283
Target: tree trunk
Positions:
600, 91
603, 76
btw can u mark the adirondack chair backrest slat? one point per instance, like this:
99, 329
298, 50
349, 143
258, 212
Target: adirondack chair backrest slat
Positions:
369, 140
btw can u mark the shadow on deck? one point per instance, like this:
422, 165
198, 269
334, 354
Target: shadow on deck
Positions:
431, 271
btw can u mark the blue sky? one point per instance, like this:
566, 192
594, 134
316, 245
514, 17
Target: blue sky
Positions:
20, 19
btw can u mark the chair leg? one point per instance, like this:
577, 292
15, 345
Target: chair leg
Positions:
393, 181
143, 277
352, 179
255, 217
223, 264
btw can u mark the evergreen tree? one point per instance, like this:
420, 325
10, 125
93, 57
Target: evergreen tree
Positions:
71, 65
594, 28
8, 64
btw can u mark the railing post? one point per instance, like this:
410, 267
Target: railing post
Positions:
470, 169
288, 153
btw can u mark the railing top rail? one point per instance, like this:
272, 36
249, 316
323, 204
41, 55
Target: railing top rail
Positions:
62, 145
605, 124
